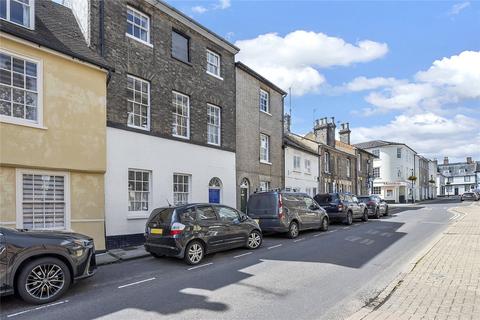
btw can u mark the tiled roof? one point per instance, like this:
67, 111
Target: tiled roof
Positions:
379, 143
301, 143
56, 28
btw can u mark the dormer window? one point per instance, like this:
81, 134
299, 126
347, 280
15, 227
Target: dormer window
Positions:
21, 12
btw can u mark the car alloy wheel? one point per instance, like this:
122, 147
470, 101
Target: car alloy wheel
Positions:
293, 230
45, 281
365, 216
349, 220
194, 253
254, 240
324, 226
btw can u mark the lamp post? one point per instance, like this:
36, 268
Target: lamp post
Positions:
412, 178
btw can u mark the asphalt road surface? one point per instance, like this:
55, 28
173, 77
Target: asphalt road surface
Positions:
320, 275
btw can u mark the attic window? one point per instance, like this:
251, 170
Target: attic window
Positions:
21, 12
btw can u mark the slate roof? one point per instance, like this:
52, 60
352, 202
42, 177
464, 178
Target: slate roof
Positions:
301, 143
379, 143
470, 168
56, 28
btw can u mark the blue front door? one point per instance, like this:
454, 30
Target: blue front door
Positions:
214, 195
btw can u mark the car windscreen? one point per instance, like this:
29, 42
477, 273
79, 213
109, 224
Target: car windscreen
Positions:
262, 204
468, 194
162, 216
364, 199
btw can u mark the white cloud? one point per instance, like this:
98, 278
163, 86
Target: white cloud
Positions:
220, 5
363, 83
293, 60
458, 7
431, 135
199, 9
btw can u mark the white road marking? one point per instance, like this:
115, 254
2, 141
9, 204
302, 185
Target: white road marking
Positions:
352, 238
243, 254
133, 283
37, 308
346, 228
273, 247
317, 235
200, 266
333, 230
299, 240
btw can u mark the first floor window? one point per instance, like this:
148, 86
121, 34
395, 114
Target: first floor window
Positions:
296, 163
43, 201
376, 172
264, 148
18, 87
181, 115
327, 162
138, 190
181, 189
264, 185
138, 100
308, 168
377, 190
349, 164
213, 120
467, 179
18, 11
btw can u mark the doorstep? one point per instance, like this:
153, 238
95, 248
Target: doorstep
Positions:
118, 255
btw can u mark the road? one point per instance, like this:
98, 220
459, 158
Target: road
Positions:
320, 275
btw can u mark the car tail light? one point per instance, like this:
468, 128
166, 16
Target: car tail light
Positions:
177, 228
281, 215
340, 207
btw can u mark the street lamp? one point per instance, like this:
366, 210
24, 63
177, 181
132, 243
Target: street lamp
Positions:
412, 178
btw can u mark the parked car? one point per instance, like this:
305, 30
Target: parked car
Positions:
469, 196
194, 230
376, 206
40, 265
343, 207
286, 212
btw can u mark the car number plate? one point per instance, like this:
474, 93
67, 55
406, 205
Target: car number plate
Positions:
156, 231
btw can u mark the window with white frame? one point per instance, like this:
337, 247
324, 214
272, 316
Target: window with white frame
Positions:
376, 152
308, 167
19, 87
213, 63
376, 172
138, 189
214, 124
264, 101
181, 115
296, 163
264, 148
181, 188
349, 167
327, 162
264, 185
377, 190
21, 12
43, 201
138, 100
466, 179
138, 25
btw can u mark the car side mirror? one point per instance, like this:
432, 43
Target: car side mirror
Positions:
243, 217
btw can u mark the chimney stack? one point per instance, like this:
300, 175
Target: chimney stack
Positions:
445, 160
325, 131
286, 122
345, 133
469, 160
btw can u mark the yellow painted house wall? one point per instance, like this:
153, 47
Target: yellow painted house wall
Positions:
72, 140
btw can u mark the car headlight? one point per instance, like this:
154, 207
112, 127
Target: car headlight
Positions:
77, 246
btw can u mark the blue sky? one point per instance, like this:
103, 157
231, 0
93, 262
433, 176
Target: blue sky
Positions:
401, 71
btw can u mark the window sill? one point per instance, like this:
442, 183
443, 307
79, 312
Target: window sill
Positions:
138, 128
265, 112
181, 137
297, 171
215, 76
214, 144
134, 215
139, 40
266, 162
19, 122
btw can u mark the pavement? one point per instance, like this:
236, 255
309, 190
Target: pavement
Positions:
444, 283
320, 275
119, 255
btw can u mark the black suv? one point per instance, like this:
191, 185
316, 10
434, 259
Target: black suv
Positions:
342, 207
193, 230
40, 265
377, 207
286, 212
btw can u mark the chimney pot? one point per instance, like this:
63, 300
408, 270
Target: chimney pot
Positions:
445, 160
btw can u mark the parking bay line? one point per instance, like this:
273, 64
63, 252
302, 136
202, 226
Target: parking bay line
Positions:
133, 283
299, 240
276, 246
200, 266
243, 254
37, 308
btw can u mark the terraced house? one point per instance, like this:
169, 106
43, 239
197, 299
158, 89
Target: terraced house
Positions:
52, 121
170, 112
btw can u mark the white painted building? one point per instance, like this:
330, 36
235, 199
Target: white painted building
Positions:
395, 163
166, 172
301, 164
432, 179
460, 177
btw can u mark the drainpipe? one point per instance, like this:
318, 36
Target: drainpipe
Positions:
101, 35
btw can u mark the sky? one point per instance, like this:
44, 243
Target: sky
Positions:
400, 71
